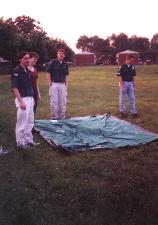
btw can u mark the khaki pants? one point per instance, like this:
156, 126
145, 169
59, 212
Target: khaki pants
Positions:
58, 100
25, 122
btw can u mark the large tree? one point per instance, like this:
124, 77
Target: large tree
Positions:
140, 44
84, 43
154, 41
38, 43
94, 44
8, 41
54, 44
119, 42
25, 25
99, 46
26, 34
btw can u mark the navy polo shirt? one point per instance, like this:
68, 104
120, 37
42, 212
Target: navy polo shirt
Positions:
127, 72
21, 80
58, 71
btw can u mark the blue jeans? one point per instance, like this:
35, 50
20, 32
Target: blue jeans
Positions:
129, 91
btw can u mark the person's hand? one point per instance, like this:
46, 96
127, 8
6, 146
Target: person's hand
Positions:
39, 97
123, 88
22, 105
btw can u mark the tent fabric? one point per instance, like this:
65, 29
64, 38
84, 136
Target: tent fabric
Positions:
93, 132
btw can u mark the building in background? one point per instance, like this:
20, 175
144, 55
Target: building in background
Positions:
85, 59
121, 57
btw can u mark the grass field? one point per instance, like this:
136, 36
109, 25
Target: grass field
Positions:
47, 187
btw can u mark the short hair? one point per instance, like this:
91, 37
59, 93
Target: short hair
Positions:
22, 54
34, 54
128, 57
60, 50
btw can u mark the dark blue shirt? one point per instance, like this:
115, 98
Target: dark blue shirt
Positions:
127, 72
58, 71
21, 80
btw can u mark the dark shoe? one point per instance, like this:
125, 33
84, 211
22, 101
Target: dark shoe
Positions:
54, 118
35, 131
123, 115
134, 115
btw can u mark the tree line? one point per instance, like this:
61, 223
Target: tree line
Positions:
106, 49
25, 33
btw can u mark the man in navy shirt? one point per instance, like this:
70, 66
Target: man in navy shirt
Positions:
57, 78
126, 76
22, 88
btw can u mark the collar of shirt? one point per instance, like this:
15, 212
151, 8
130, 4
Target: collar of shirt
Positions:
59, 61
24, 69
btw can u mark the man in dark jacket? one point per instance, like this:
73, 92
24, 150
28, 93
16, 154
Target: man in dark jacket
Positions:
126, 76
57, 77
23, 91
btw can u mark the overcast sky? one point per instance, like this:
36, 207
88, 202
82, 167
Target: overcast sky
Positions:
69, 19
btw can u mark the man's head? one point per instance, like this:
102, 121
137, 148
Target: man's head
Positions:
34, 57
130, 59
60, 54
24, 58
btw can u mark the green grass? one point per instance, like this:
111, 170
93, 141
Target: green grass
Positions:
47, 187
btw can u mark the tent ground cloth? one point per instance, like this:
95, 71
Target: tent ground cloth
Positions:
93, 132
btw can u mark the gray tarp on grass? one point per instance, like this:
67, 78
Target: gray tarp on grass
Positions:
93, 132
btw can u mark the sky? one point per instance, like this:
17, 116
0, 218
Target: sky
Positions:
70, 19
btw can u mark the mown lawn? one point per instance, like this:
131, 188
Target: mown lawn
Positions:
44, 186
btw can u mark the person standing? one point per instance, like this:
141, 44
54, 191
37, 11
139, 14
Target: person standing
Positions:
58, 81
34, 75
126, 75
22, 88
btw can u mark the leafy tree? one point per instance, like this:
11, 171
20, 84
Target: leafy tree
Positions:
25, 25
119, 42
26, 34
139, 43
100, 46
9, 41
84, 43
54, 44
154, 41
94, 44
38, 43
